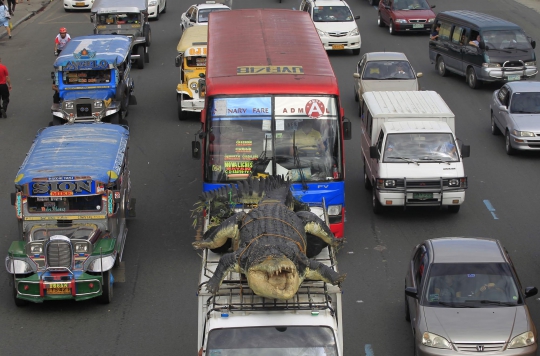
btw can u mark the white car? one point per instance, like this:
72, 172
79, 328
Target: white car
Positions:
156, 7
198, 14
335, 23
77, 5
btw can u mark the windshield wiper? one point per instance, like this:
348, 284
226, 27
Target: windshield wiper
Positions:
405, 159
457, 305
436, 160
484, 301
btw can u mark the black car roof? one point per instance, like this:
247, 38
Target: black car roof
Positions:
477, 19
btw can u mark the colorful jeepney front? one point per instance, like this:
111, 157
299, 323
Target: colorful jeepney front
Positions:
72, 225
294, 136
92, 79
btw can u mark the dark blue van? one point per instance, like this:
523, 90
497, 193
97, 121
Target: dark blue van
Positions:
93, 80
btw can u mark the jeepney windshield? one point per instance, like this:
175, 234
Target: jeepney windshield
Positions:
119, 19
196, 61
272, 340
86, 77
89, 203
295, 136
204, 13
73, 231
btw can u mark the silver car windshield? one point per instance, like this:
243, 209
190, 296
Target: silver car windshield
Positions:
269, 341
525, 103
421, 147
388, 70
471, 285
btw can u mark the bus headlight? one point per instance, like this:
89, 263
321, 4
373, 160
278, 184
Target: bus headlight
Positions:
334, 210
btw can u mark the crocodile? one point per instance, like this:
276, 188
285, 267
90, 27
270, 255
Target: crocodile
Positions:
272, 243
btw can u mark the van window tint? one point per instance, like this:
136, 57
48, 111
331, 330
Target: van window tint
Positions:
380, 141
444, 32
458, 35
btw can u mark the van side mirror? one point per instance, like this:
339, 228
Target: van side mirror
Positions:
347, 133
419, 75
374, 152
195, 150
411, 292
357, 17
12, 197
465, 151
178, 60
530, 291
533, 44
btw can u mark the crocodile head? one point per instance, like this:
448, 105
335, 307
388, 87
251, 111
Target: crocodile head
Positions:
274, 277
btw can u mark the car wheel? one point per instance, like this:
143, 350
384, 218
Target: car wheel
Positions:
140, 62
508, 145
56, 121
164, 8
472, 79
107, 294
494, 129
376, 204
441, 67
380, 21
391, 28
360, 109
407, 312
454, 209
146, 55
356, 51
367, 182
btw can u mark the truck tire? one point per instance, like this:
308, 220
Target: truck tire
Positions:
139, 50
367, 182
115, 118
56, 121
441, 67
107, 295
146, 55
472, 79
376, 204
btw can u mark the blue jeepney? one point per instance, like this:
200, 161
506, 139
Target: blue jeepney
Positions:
93, 78
72, 200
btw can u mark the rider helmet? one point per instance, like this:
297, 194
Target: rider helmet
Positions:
63, 30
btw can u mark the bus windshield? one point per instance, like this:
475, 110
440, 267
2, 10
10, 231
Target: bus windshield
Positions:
294, 136
272, 340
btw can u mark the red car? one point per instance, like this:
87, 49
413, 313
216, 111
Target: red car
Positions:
406, 15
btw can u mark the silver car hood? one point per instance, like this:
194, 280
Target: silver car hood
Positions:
473, 325
527, 122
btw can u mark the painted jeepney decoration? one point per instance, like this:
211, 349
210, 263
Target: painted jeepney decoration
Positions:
71, 208
93, 80
191, 60
128, 18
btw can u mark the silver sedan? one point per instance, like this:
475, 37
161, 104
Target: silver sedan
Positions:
462, 296
515, 112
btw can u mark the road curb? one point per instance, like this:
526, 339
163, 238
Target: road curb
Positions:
27, 16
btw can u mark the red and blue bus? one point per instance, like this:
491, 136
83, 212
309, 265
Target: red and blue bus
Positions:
272, 107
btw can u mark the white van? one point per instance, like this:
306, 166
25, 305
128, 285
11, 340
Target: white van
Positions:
411, 155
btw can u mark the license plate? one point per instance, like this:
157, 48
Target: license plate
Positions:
338, 46
422, 196
58, 288
514, 77
80, 4
418, 25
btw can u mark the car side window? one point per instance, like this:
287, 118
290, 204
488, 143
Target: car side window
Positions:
360, 65
189, 12
419, 265
444, 31
380, 141
503, 95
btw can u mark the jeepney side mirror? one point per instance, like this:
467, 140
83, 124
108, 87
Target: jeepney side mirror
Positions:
347, 127
195, 150
178, 60
52, 75
13, 196
373, 152
91, 18
465, 151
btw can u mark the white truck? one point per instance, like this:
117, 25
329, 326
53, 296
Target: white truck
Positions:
411, 155
237, 322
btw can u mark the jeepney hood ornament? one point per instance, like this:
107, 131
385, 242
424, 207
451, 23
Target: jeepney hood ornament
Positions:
272, 243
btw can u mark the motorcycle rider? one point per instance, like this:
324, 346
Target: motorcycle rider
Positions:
61, 41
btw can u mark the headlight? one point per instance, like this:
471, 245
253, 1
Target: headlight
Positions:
15, 266
522, 340
68, 105
98, 104
431, 20
334, 210
152, 3
523, 133
390, 183
322, 33
491, 65
81, 247
354, 32
36, 249
453, 183
193, 85
531, 64
433, 340
401, 21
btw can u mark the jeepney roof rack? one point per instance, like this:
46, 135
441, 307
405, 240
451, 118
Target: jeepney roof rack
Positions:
235, 294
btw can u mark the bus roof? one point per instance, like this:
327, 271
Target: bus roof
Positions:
81, 150
194, 36
110, 48
270, 40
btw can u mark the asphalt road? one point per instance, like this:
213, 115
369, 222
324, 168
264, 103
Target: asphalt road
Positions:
154, 311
